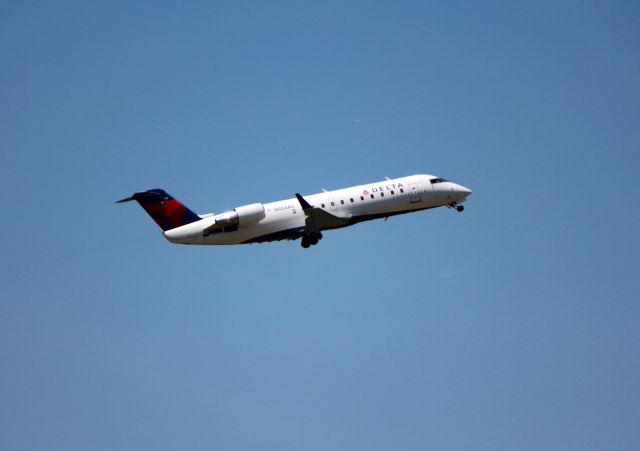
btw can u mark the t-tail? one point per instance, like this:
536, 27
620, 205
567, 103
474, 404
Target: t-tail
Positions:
166, 211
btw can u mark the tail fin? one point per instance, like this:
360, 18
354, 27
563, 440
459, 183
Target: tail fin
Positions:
166, 211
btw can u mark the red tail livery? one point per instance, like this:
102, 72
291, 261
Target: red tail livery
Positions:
166, 211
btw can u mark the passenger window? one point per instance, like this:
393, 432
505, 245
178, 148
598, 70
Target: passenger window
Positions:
333, 204
372, 196
342, 202
352, 200
361, 197
322, 205
381, 194
401, 190
392, 192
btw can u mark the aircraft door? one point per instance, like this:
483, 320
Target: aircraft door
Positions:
414, 193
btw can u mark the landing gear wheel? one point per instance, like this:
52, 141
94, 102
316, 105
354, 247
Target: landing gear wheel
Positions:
310, 239
460, 208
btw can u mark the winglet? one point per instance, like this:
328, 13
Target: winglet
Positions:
304, 203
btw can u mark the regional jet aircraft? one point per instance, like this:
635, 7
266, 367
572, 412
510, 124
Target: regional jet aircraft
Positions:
304, 217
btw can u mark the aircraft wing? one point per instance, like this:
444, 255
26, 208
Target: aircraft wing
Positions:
317, 219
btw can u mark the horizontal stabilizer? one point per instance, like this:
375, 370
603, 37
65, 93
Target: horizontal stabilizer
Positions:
143, 196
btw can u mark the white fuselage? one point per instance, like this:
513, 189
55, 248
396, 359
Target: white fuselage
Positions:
285, 219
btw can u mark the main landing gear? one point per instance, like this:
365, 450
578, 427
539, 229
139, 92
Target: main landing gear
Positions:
310, 240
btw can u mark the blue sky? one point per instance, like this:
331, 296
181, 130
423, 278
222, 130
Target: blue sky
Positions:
513, 325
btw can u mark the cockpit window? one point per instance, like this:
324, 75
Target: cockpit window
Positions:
437, 180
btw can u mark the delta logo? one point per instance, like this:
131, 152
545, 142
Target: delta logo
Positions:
389, 187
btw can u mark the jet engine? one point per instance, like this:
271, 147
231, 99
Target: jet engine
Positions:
240, 216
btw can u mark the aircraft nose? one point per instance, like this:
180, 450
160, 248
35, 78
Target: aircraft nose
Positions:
463, 190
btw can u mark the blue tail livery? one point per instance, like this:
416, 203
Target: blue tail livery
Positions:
166, 211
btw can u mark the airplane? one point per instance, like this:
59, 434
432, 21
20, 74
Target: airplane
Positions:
300, 217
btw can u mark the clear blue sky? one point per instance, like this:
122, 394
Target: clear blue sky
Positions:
511, 326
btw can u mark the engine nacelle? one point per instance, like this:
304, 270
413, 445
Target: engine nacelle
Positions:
247, 214
229, 218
